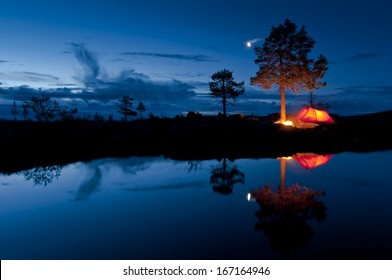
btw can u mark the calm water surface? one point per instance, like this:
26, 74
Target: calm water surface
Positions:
157, 208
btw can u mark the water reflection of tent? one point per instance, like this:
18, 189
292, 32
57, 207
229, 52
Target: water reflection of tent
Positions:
310, 160
309, 114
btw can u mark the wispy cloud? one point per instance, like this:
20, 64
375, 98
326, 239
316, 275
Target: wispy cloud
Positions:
187, 75
360, 99
196, 58
26, 76
363, 56
3, 61
89, 62
25, 92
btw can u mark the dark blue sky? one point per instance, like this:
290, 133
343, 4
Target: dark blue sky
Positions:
164, 52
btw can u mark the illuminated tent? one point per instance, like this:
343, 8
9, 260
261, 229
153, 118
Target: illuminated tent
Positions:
309, 114
310, 160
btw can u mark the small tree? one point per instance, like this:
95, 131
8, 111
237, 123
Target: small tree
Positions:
66, 114
141, 108
14, 110
283, 61
44, 108
224, 87
125, 107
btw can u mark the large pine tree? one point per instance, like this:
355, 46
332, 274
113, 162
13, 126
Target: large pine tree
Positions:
284, 62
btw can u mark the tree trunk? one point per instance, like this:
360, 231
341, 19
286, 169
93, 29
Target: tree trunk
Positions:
282, 104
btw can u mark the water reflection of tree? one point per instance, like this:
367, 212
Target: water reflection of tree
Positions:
42, 175
285, 212
225, 176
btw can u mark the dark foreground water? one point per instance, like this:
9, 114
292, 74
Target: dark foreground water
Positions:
156, 208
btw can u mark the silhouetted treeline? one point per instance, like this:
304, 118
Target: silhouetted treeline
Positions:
27, 144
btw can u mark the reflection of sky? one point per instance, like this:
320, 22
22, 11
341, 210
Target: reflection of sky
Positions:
165, 41
146, 208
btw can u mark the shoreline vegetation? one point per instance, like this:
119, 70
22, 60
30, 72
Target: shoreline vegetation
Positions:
28, 144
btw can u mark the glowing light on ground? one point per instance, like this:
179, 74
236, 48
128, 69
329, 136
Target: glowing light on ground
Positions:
287, 123
286, 158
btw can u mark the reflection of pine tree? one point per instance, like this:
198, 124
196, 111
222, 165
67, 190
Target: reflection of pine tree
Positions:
295, 200
284, 213
225, 176
42, 175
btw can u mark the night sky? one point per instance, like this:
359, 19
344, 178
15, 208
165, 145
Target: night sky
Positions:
90, 53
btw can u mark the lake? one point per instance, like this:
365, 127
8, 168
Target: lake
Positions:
305, 206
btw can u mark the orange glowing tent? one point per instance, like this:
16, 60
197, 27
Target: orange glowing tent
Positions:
309, 114
310, 160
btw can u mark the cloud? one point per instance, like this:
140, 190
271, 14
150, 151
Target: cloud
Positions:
66, 85
359, 100
25, 92
363, 56
26, 76
128, 82
89, 62
187, 75
4, 61
196, 58
100, 92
